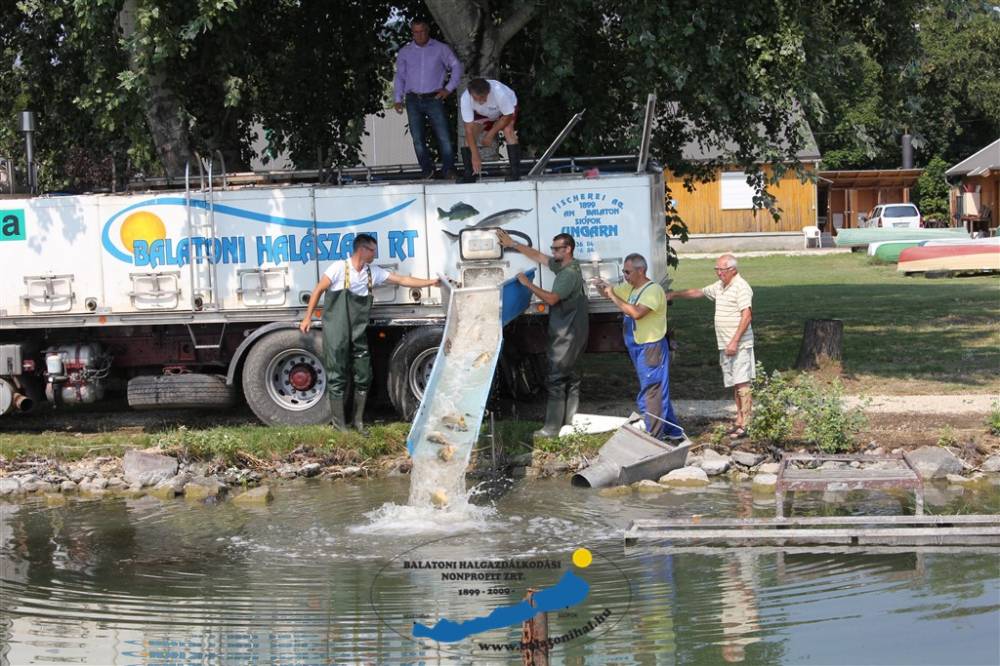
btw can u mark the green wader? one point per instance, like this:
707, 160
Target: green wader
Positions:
345, 347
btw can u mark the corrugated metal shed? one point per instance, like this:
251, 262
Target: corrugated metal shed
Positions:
978, 164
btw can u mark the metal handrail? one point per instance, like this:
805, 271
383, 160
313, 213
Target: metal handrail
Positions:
547, 155
647, 133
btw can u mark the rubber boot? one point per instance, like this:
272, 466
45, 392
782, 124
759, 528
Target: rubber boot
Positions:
467, 175
572, 402
555, 412
337, 414
359, 409
514, 155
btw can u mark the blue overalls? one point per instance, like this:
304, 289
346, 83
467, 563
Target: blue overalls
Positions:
652, 365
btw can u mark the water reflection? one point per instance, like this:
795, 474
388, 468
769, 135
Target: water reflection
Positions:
147, 582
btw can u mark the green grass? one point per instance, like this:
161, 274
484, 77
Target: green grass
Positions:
225, 443
902, 335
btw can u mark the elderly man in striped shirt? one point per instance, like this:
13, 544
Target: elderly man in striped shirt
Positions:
733, 311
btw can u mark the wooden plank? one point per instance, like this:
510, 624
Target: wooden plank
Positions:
964, 519
860, 536
841, 457
819, 474
845, 484
852, 532
824, 549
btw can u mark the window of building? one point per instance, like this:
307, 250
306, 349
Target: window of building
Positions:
736, 193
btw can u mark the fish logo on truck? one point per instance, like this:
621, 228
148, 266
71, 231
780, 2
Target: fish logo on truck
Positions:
462, 210
136, 235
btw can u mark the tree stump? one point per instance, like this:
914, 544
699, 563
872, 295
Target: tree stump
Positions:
822, 338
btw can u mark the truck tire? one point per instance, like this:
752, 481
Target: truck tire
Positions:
284, 381
187, 391
410, 367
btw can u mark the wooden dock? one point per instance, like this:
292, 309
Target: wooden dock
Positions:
965, 530
795, 474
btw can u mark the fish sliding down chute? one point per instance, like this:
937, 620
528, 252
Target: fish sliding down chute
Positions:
446, 425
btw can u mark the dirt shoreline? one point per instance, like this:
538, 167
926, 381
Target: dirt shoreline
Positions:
957, 424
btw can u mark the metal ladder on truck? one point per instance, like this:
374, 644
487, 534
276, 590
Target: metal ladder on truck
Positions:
201, 223
202, 265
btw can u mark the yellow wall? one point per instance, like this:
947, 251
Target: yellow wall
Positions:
702, 210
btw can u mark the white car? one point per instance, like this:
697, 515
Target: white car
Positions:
894, 216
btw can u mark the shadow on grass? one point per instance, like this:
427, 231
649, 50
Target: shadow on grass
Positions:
944, 333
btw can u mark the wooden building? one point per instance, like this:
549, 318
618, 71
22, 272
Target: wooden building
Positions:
724, 205
844, 195
974, 200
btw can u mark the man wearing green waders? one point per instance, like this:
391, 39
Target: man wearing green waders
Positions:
348, 285
569, 326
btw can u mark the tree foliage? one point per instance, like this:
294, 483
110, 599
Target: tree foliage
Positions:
931, 192
307, 71
930, 68
201, 75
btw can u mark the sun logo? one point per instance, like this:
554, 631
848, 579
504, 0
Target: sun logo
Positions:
141, 226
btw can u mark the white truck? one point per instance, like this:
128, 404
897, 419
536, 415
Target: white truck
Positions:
192, 297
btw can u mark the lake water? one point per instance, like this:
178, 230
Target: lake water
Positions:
327, 574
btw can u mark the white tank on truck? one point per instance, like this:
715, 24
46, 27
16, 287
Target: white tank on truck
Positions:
190, 296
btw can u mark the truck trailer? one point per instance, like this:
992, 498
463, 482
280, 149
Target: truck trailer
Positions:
189, 294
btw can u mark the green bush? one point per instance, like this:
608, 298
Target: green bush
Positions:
993, 420
947, 437
773, 403
826, 423
719, 435
778, 404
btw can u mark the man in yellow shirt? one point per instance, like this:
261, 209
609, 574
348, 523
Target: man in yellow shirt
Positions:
644, 306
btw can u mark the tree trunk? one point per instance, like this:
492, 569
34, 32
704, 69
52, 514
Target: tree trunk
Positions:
475, 38
822, 338
163, 110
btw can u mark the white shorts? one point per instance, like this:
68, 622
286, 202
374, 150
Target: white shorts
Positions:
739, 369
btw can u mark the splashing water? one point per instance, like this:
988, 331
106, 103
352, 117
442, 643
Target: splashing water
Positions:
447, 424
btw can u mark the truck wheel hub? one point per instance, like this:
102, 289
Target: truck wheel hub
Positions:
302, 377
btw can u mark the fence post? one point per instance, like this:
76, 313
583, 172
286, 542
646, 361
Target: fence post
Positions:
534, 634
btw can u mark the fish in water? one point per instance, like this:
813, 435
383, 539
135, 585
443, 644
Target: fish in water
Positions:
454, 421
439, 498
482, 359
446, 452
459, 211
438, 438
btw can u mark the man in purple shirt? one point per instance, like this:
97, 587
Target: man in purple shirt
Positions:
420, 71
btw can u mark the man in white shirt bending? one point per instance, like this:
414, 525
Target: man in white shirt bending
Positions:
488, 108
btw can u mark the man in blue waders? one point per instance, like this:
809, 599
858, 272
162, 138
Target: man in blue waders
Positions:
348, 286
644, 306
